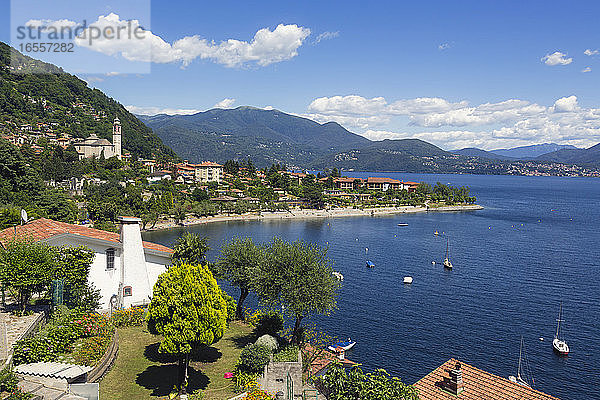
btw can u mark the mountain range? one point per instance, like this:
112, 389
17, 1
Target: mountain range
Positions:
272, 136
518, 153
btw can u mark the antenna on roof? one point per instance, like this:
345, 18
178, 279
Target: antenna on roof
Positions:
23, 216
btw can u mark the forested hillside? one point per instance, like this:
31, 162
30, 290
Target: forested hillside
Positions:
50, 96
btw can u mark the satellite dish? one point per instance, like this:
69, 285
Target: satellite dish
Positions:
23, 216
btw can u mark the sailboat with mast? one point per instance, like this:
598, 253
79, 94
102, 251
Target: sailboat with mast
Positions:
519, 378
558, 344
447, 263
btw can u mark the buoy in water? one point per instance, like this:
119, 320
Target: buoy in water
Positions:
366, 249
433, 262
541, 339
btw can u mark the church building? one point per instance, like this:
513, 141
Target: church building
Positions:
95, 147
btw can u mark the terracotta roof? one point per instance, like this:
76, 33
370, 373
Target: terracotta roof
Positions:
411, 183
209, 164
381, 180
324, 359
44, 228
478, 385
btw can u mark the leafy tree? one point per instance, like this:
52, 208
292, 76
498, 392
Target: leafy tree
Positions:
239, 264
75, 264
299, 276
188, 310
191, 249
339, 384
27, 267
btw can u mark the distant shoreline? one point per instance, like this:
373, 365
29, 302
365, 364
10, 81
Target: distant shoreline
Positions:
309, 214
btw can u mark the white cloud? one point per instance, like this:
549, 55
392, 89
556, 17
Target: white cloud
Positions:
590, 52
444, 46
509, 123
326, 36
158, 110
586, 69
267, 47
566, 104
556, 58
50, 25
225, 103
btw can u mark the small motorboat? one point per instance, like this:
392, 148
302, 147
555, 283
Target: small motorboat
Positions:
338, 275
408, 279
370, 264
436, 233
346, 345
402, 224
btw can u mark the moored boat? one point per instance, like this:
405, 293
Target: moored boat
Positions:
559, 345
447, 263
519, 378
345, 345
370, 264
408, 279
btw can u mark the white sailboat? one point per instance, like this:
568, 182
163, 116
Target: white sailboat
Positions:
519, 378
447, 263
560, 345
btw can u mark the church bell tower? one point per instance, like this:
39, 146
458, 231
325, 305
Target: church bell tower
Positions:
117, 138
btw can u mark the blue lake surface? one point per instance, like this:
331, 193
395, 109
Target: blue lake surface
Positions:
536, 243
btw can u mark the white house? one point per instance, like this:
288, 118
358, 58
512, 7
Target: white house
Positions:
124, 266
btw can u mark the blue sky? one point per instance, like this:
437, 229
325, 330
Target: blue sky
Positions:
457, 74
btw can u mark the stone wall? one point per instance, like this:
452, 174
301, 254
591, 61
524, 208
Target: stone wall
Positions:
274, 376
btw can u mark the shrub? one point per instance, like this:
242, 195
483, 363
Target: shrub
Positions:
287, 354
258, 394
244, 380
254, 358
269, 322
231, 306
8, 380
268, 341
134, 316
18, 394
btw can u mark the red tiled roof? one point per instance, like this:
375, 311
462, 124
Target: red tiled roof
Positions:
209, 164
381, 180
411, 183
323, 360
44, 228
478, 385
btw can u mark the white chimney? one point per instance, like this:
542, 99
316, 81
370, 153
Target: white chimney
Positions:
135, 287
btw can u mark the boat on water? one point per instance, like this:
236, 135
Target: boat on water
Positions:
559, 344
370, 264
346, 345
402, 224
519, 378
408, 280
436, 233
447, 263
338, 275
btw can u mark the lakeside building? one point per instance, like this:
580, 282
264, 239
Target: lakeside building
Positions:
204, 172
95, 147
456, 380
124, 266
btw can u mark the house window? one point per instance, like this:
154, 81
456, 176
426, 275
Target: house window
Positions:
110, 258
127, 291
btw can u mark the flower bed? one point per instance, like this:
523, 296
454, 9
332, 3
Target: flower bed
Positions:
69, 337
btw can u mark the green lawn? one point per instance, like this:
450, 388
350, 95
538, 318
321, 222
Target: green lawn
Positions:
140, 372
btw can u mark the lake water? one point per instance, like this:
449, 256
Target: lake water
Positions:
535, 244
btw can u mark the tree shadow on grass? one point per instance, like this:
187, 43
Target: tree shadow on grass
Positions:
241, 341
204, 354
151, 353
162, 378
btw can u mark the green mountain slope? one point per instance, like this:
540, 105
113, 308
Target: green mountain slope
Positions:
590, 156
266, 136
47, 95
